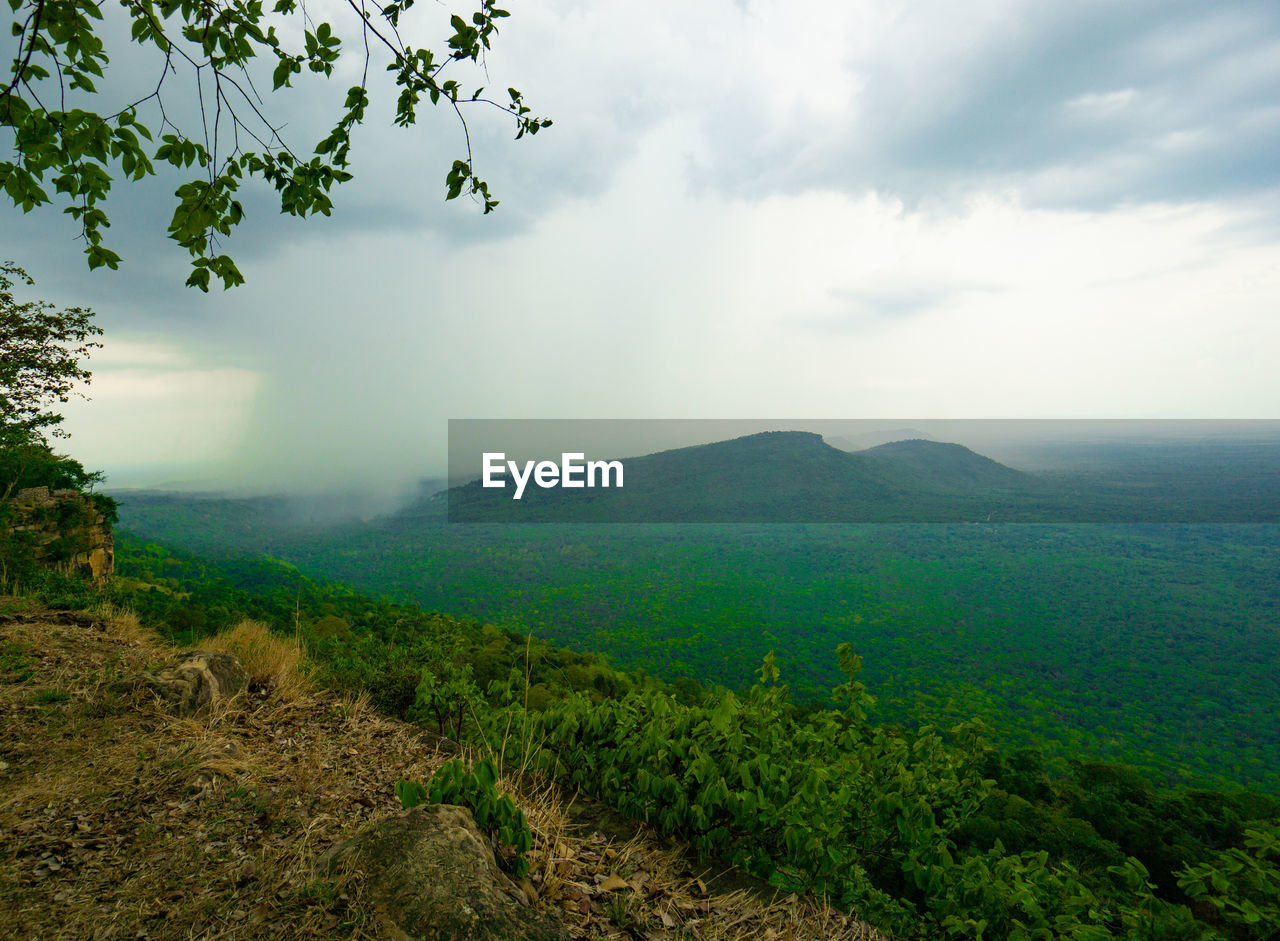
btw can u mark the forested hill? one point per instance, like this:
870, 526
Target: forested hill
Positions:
796, 477
781, 476
950, 468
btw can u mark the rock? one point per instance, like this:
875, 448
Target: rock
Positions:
192, 681
64, 530
433, 874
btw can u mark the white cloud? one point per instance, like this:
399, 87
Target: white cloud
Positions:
1102, 104
154, 403
654, 301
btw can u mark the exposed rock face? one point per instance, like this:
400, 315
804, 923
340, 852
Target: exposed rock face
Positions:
192, 681
65, 530
433, 874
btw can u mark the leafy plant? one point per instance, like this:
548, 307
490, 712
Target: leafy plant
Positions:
43, 349
61, 590
446, 697
867, 816
1243, 885
477, 790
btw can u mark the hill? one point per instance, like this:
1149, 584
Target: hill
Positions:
949, 468
796, 477
778, 477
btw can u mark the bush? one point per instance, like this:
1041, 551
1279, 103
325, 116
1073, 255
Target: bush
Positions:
477, 791
62, 591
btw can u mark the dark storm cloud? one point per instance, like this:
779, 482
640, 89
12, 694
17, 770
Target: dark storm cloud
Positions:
1084, 104
744, 207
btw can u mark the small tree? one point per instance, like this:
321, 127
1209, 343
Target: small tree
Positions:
41, 350
446, 698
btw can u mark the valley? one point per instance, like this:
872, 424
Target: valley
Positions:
1150, 644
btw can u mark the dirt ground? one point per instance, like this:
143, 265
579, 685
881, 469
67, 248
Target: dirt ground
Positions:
119, 820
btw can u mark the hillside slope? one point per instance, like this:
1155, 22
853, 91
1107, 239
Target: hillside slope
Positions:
120, 820
942, 467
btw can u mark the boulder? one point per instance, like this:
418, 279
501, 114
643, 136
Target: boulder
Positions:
192, 681
433, 875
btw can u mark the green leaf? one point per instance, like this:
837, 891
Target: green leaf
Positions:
283, 70
411, 793
199, 278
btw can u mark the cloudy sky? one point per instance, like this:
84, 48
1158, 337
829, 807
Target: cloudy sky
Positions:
1002, 208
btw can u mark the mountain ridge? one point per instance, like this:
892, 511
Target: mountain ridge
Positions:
773, 476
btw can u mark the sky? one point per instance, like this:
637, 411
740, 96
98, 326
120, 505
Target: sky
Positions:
997, 209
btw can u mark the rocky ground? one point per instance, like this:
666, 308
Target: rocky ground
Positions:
121, 819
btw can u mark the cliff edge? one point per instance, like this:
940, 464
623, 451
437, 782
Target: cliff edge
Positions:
60, 529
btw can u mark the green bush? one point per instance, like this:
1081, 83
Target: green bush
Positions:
882, 822
1243, 885
477, 790
69, 592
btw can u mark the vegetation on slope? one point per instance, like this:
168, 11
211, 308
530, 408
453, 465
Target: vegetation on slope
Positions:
120, 820
923, 831
1150, 645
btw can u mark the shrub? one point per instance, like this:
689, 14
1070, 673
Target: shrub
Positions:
477, 790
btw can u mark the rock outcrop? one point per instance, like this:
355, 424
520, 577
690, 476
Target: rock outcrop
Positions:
63, 529
434, 876
194, 680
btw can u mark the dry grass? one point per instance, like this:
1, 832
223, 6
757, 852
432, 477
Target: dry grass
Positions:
118, 820
125, 625
274, 661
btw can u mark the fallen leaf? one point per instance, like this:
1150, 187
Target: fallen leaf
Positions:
531, 893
